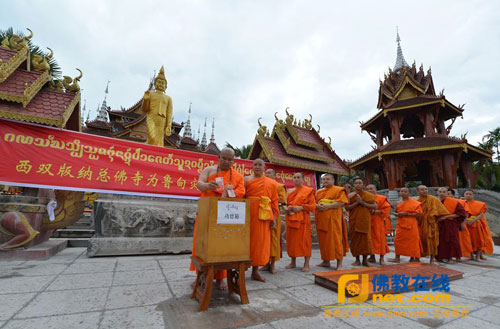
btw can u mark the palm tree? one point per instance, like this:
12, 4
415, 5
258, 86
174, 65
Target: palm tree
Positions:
242, 152
492, 139
55, 70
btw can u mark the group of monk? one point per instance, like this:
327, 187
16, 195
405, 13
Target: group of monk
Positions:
442, 228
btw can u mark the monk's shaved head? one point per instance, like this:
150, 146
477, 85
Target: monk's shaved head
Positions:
405, 188
371, 188
442, 193
358, 184
404, 192
271, 173
422, 190
226, 158
259, 166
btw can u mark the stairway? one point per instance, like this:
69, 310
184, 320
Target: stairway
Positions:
79, 233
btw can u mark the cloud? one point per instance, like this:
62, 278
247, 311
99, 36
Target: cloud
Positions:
237, 61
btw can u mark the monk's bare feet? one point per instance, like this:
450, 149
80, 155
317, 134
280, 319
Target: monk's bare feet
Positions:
265, 268
290, 266
193, 284
324, 263
372, 259
459, 260
382, 262
273, 270
305, 268
220, 284
366, 264
339, 267
256, 276
394, 260
481, 257
356, 263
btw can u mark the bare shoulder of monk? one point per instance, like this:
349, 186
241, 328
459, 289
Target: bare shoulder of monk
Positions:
207, 172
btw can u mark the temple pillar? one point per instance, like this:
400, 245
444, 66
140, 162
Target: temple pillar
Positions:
449, 175
393, 119
380, 139
442, 129
369, 176
428, 124
466, 166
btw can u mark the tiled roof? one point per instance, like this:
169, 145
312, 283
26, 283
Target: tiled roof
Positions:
47, 107
434, 143
295, 148
279, 155
305, 136
7, 54
21, 86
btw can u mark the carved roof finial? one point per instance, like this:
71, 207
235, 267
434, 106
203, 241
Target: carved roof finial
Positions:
400, 59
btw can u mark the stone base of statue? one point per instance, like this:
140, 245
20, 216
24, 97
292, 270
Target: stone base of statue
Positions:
136, 225
41, 251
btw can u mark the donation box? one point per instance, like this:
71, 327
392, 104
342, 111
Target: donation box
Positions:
223, 230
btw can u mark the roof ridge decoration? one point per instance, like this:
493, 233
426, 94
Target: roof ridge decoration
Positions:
8, 67
29, 91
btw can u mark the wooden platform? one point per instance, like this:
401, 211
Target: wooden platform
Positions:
330, 279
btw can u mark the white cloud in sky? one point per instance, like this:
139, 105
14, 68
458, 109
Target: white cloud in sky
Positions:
240, 60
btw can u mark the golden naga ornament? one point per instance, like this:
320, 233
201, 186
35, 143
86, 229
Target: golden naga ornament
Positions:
70, 84
158, 109
42, 63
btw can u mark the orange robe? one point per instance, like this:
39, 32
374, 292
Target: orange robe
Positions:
378, 226
330, 225
263, 195
429, 233
231, 177
298, 225
360, 226
407, 240
463, 234
276, 231
479, 231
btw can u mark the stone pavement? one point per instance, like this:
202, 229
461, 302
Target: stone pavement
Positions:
70, 290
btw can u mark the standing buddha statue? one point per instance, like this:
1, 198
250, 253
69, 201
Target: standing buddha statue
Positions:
158, 109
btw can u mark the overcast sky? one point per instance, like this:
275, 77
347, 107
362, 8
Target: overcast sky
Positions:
240, 60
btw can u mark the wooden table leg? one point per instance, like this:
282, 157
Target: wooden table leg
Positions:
195, 289
242, 285
207, 293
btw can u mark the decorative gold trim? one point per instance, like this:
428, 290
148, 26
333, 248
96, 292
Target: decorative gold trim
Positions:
69, 110
403, 85
34, 88
355, 164
441, 101
6, 68
133, 122
269, 154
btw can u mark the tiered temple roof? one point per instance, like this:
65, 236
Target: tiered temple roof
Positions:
297, 145
27, 92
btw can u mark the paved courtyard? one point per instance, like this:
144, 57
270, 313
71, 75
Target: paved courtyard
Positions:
70, 290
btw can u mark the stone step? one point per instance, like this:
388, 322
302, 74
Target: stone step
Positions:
73, 233
74, 242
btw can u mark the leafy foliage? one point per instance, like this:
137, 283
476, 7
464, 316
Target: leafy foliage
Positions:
242, 152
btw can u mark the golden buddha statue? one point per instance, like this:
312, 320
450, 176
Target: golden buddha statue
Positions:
158, 109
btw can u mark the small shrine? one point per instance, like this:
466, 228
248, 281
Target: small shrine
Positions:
411, 133
297, 144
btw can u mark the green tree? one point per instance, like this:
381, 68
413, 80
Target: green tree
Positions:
241, 152
492, 141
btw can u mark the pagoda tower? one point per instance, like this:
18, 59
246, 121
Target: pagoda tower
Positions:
411, 132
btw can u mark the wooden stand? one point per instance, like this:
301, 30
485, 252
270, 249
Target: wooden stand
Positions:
205, 278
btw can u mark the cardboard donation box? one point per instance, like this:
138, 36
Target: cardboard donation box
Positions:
223, 230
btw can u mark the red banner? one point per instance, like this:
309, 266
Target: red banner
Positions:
39, 156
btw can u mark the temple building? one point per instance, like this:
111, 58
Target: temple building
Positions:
297, 144
130, 124
29, 93
411, 133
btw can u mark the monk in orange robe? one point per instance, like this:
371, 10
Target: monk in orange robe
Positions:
276, 231
407, 240
219, 181
480, 234
361, 203
330, 225
449, 225
264, 211
300, 203
378, 225
463, 233
432, 209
